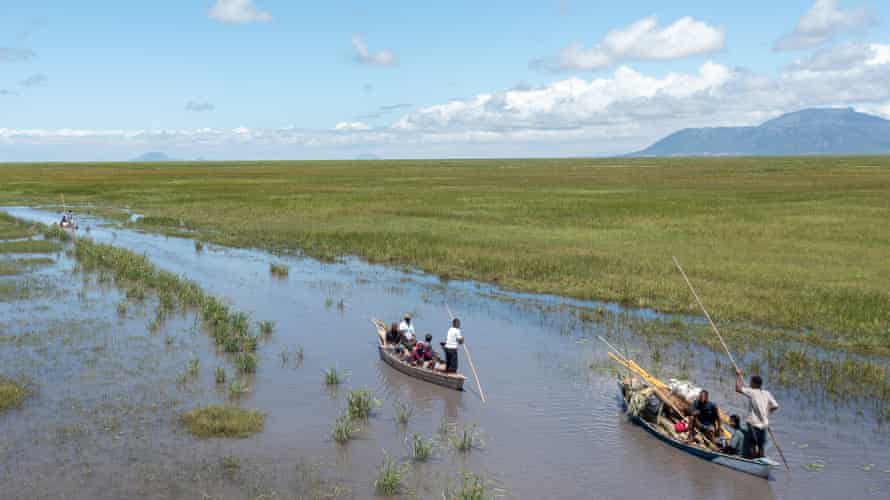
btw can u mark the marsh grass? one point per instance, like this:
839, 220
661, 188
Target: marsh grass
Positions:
223, 421
472, 487
29, 246
12, 393
279, 270
464, 439
344, 430
12, 228
332, 376
199, 246
246, 362
122, 308
360, 403
219, 374
420, 449
403, 412
238, 387
389, 477
193, 368
266, 327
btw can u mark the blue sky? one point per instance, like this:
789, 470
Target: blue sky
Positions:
219, 79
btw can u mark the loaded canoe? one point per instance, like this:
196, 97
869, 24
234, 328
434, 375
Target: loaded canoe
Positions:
760, 467
388, 355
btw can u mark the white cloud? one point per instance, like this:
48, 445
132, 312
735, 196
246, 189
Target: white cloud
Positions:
238, 12
643, 40
11, 54
352, 126
822, 22
199, 106
361, 54
38, 80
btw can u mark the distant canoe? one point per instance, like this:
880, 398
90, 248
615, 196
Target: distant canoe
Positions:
388, 355
66, 225
760, 467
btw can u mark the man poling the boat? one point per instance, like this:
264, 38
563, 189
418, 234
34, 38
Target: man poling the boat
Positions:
760, 405
453, 339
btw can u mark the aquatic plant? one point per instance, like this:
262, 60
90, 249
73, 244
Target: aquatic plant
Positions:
246, 362
194, 367
220, 375
464, 439
344, 429
12, 393
389, 477
266, 327
199, 246
360, 403
403, 412
279, 270
420, 448
472, 487
238, 387
332, 376
223, 421
122, 308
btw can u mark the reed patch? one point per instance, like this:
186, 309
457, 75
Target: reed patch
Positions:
223, 421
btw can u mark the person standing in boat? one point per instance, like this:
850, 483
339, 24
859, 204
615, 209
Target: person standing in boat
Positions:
406, 332
452, 340
760, 405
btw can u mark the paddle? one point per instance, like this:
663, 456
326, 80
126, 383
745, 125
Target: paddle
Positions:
469, 359
725, 348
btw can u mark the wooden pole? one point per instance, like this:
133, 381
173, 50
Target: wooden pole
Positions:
725, 348
469, 360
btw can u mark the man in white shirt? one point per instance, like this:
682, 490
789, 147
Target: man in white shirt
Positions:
406, 331
760, 405
452, 340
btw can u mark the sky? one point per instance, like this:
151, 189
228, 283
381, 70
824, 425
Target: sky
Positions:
90, 80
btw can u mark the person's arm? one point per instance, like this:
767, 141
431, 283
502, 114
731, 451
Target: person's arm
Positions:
773, 405
739, 383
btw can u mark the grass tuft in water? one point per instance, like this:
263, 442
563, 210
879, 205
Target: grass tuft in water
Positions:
403, 412
194, 367
472, 487
266, 327
12, 393
344, 429
389, 477
199, 246
420, 449
223, 421
237, 388
360, 403
279, 270
332, 376
220, 375
122, 308
246, 362
464, 439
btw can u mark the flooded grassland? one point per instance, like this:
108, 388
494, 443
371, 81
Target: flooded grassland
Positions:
157, 367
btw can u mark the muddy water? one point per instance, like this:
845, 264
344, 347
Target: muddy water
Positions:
103, 422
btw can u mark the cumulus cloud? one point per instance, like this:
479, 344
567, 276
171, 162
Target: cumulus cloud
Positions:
822, 22
11, 54
611, 114
37, 80
238, 12
363, 55
643, 40
199, 106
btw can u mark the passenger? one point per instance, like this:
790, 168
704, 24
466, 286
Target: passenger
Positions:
392, 335
406, 332
422, 352
736, 443
706, 417
760, 405
452, 339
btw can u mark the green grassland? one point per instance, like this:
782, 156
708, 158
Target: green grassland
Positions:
797, 243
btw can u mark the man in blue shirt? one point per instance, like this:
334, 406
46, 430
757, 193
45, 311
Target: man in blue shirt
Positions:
705, 417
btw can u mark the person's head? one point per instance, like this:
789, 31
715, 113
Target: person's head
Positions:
407, 318
756, 382
734, 420
455, 323
703, 396
428, 338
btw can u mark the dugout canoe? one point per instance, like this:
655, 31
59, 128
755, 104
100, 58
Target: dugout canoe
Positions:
388, 355
66, 225
760, 467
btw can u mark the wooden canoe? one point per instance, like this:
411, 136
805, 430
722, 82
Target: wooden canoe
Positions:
388, 355
760, 467
66, 225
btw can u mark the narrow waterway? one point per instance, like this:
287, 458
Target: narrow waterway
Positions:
552, 425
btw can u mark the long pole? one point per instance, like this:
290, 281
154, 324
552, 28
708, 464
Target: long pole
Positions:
725, 348
469, 360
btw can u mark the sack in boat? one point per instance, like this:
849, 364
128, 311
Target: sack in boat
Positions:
681, 426
685, 389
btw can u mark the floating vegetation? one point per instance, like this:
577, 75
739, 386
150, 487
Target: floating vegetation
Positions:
420, 449
389, 477
12, 393
403, 412
279, 270
360, 403
332, 376
223, 421
472, 487
220, 375
344, 429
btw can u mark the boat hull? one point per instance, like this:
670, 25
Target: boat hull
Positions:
455, 382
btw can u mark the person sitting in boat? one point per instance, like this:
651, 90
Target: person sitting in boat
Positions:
452, 340
760, 405
392, 335
705, 417
406, 332
735, 444
423, 351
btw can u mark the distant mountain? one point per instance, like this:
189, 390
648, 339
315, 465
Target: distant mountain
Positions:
153, 156
805, 132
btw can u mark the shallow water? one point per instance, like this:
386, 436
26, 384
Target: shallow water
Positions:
105, 412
